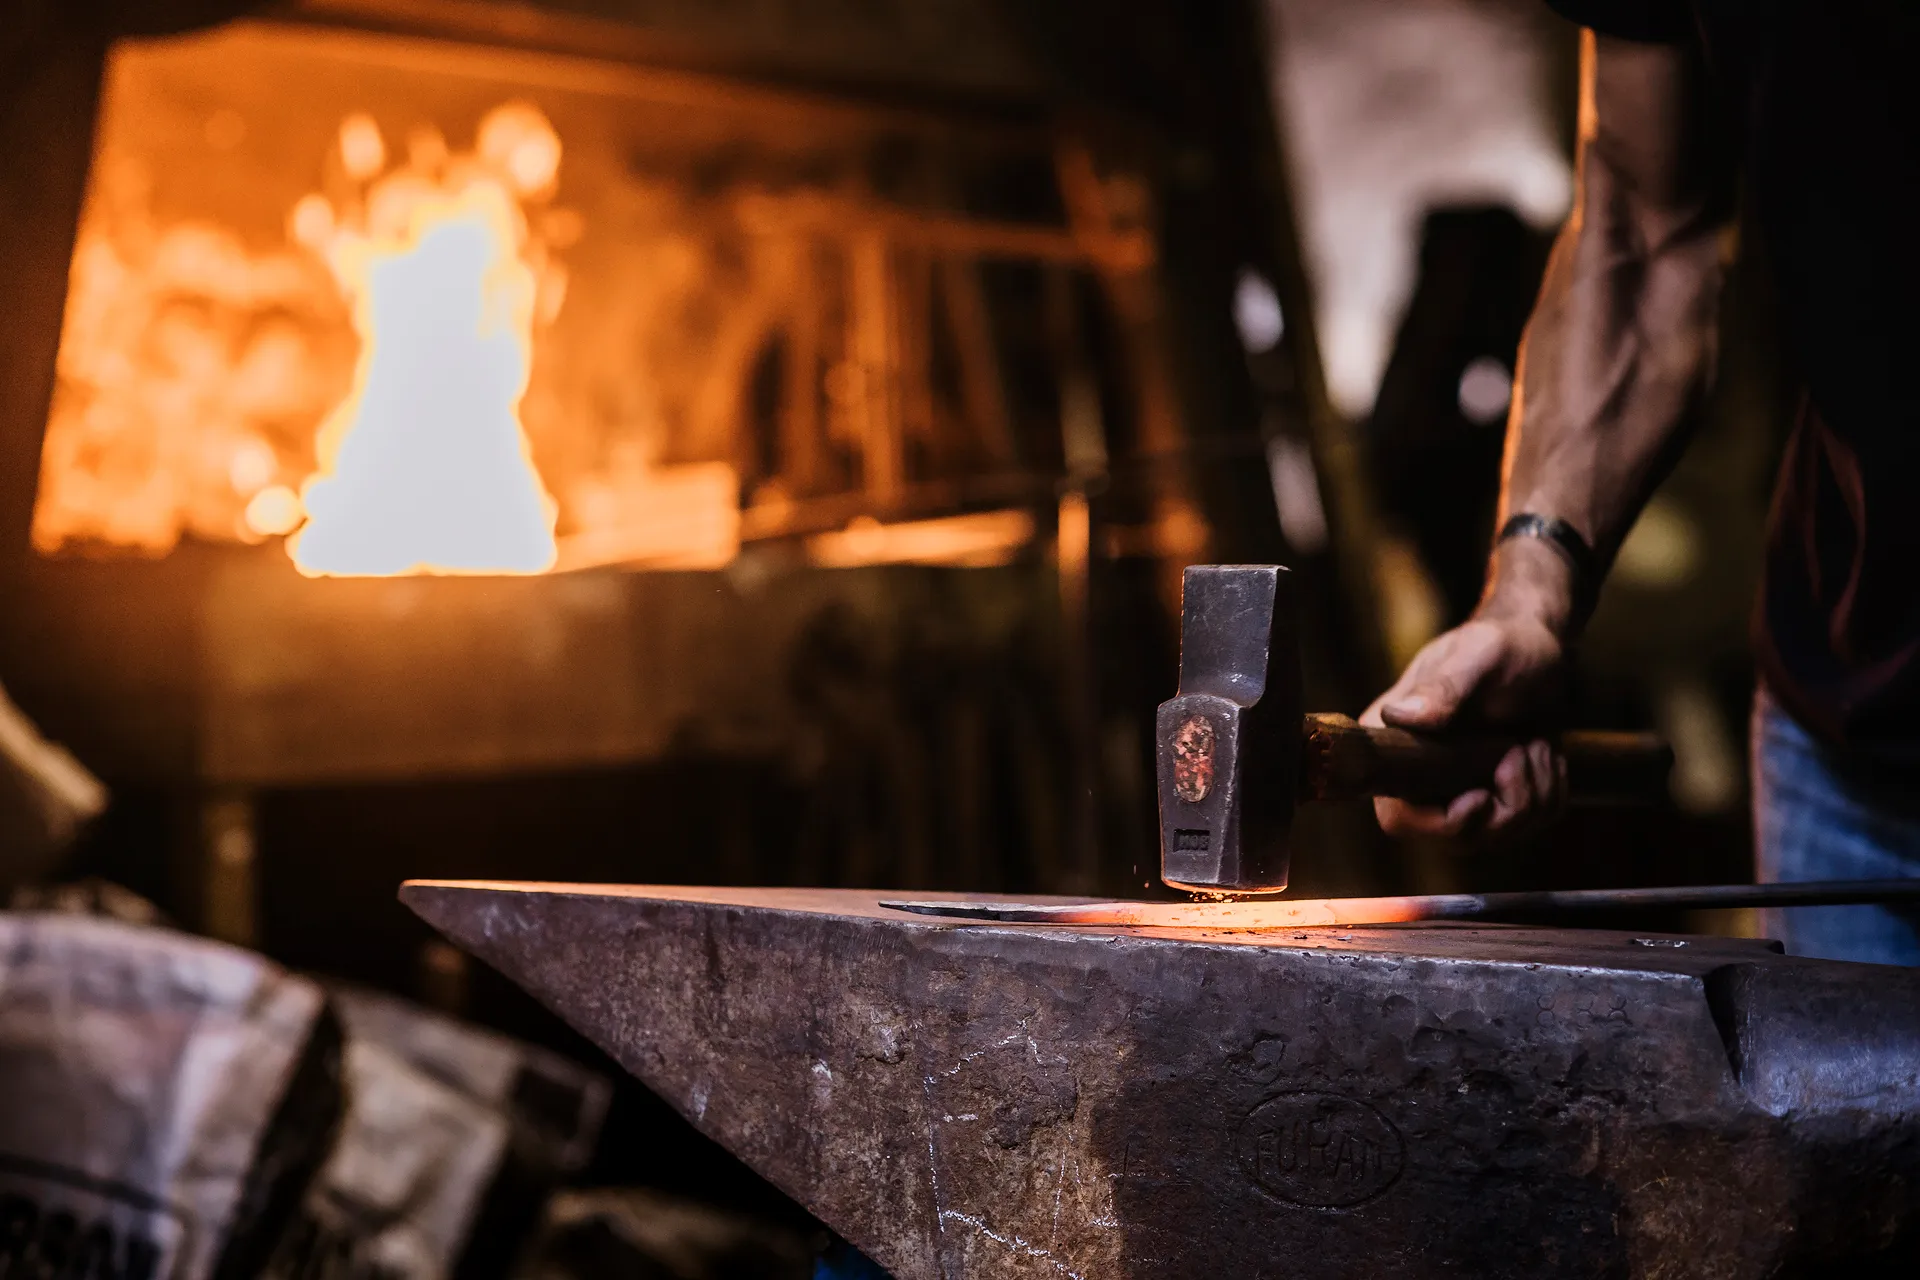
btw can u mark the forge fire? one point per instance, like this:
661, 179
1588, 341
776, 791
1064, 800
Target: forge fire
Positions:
439, 260
453, 310
341, 319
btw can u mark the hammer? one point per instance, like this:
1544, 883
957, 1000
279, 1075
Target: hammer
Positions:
1236, 752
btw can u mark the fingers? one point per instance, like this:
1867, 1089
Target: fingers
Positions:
1411, 698
1403, 696
1512, 790
1440, 679
1529, 788
1549, 770
1466, 813
1493, 670
1428, 695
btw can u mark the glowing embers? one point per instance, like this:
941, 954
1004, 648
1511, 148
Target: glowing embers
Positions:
425, 467
193, 370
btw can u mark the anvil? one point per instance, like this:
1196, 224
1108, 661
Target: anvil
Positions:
1110, 1102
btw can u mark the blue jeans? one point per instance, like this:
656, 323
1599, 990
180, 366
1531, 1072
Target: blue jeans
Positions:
1825, 814
844, 1262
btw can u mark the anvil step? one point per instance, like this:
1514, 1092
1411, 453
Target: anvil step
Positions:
983, 1099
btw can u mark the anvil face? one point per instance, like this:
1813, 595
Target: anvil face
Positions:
979, 1099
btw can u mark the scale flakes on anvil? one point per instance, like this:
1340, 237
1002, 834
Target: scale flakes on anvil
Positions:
982, 1098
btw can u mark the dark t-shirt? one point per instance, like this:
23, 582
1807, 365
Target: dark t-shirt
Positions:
1826, 96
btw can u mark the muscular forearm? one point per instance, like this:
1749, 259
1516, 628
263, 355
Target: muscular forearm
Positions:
1620, 349
1616, 358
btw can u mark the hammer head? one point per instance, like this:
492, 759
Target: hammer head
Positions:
1227, 746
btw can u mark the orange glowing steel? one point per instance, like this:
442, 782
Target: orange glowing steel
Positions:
1256, 915
1244, 914
425, 466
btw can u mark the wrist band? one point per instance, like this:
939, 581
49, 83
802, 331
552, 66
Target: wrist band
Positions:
1567, 540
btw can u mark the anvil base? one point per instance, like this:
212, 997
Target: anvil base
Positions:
981, 1099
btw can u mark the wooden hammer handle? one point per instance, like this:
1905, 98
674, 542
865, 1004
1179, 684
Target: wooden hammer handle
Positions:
1343, 760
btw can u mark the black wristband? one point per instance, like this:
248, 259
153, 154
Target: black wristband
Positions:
1567, 540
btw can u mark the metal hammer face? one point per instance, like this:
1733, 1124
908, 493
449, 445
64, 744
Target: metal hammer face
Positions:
1227, 746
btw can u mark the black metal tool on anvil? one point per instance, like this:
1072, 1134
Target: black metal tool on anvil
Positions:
1235, 754
1236, 750
1107, 1102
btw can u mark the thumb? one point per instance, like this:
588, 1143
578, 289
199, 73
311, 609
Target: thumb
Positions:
1441, 679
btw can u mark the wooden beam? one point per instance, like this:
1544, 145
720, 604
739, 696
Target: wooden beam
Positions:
49, 93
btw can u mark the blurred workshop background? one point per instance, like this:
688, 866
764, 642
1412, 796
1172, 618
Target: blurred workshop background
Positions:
853, 383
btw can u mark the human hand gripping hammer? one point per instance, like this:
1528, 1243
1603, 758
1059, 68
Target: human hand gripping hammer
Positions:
1237, 752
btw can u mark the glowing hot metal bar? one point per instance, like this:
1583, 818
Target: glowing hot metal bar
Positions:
1282, 914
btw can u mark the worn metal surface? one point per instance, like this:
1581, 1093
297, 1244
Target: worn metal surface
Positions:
1046, 1101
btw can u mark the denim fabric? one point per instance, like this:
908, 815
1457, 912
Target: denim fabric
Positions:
844, 1262
1824, 814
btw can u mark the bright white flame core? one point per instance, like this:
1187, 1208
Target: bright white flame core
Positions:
424, 467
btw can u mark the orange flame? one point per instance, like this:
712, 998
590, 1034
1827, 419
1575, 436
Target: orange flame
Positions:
425, 466
223, 381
